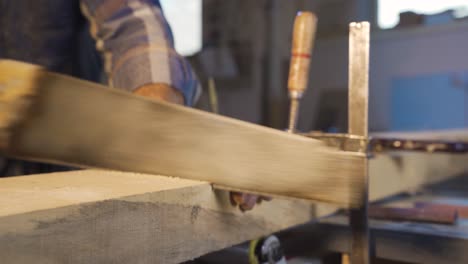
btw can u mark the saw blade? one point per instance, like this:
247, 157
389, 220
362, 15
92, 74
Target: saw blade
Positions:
59, 119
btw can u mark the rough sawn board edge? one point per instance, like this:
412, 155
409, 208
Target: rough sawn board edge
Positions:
87, 224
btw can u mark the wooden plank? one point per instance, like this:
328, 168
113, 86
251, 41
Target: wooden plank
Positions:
391, 174
95, 216
440, 215
55, 118
407, 172
462, 210
396, 172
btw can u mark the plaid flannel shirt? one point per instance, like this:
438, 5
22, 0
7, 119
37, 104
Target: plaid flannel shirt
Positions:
127, 43
127, 40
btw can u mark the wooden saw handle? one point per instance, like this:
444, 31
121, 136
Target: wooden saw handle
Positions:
303, 37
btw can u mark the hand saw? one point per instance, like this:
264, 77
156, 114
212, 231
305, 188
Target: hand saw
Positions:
54, 118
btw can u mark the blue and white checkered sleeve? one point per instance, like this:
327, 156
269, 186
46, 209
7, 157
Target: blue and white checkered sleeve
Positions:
137, 46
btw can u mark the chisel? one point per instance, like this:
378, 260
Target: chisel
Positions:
303, 39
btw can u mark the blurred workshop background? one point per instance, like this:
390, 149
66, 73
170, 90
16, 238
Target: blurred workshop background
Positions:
418, 71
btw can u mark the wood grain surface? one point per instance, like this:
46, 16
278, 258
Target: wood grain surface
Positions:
76, 122
96, 216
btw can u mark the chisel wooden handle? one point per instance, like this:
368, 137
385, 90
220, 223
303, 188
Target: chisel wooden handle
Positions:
302, 43
303, 38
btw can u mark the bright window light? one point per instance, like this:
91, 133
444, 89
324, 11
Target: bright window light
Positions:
185, 19
389, 10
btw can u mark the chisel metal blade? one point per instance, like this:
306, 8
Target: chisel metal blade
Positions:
54, 118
